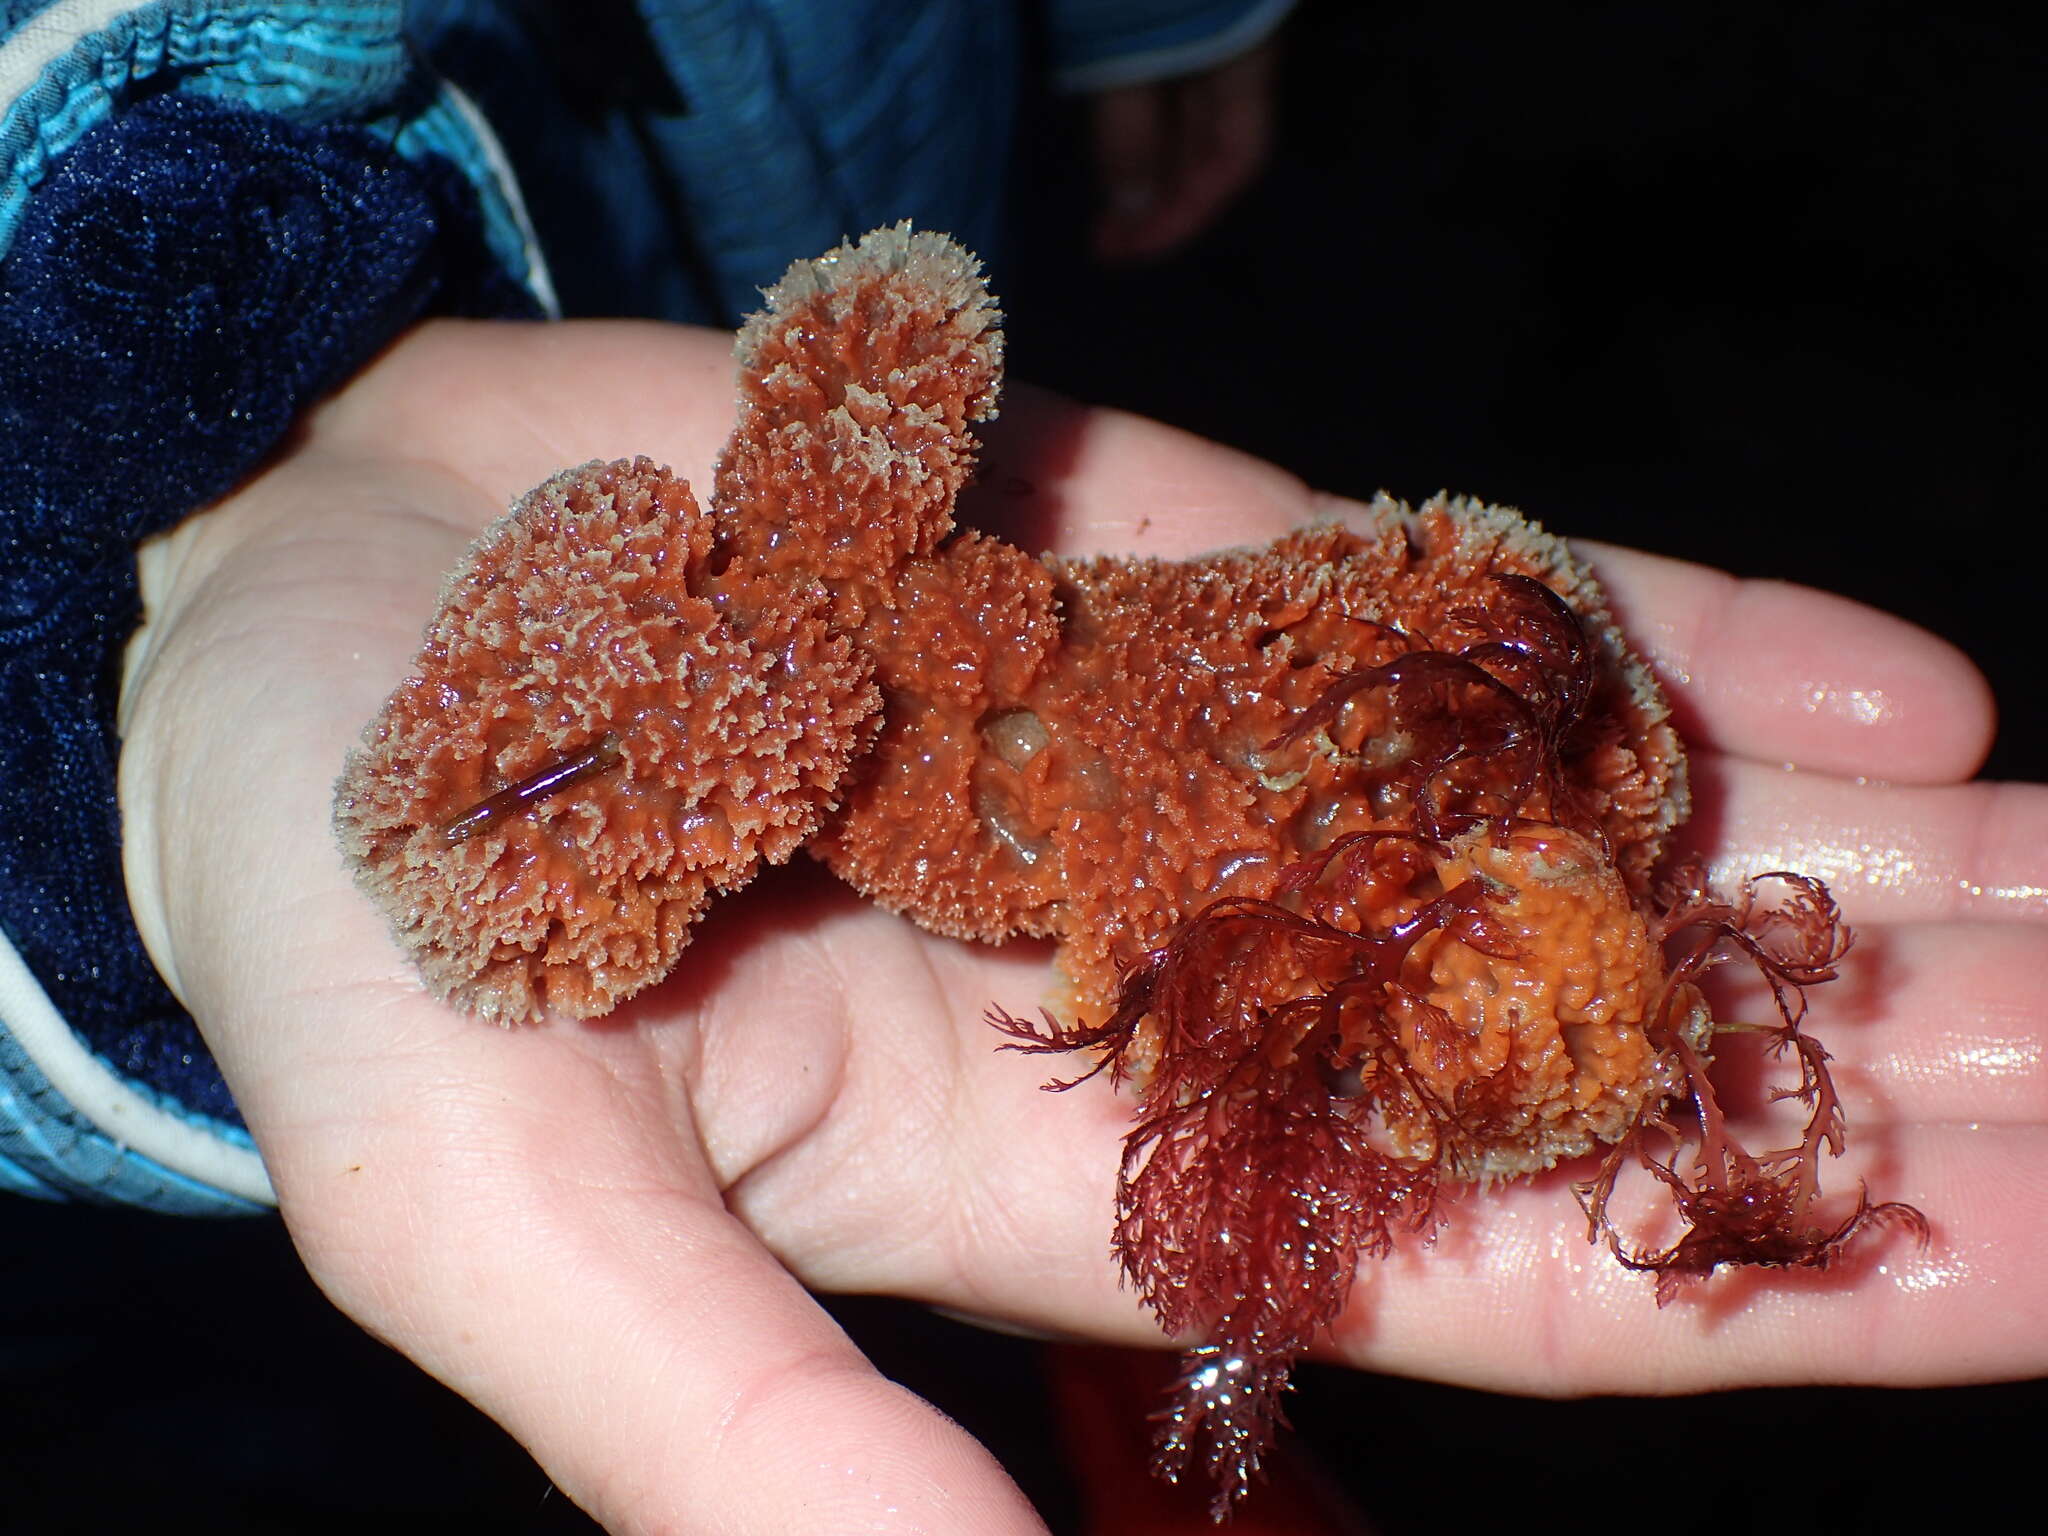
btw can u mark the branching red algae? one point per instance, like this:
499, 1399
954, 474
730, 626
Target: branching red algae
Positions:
1350, 842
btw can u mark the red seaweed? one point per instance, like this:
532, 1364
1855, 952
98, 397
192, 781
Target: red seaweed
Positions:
1741, 1207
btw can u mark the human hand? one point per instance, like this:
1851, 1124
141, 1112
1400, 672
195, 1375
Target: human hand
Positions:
1170, 155
596, 1231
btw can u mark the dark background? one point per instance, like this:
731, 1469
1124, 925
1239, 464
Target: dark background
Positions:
1762, 292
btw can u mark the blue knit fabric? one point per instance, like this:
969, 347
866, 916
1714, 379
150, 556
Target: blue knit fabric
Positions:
188, 277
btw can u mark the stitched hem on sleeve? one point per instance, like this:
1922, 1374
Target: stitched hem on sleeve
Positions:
1173, 56
452, 129
64, 69
70, 1126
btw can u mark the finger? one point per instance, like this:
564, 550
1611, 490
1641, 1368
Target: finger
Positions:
1889, 853
1928, 1022
504, 1225
1130, 131
1512, 1297
559, 395
1232, 113
1222, 121
1762, 670
1084, 480
1785, 674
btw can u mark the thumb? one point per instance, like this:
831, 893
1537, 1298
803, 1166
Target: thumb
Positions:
660, 1364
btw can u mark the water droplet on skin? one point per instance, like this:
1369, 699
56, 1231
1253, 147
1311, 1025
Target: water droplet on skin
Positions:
1852, 706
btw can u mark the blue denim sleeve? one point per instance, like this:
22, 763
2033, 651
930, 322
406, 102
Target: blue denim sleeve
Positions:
210, 213
679, 154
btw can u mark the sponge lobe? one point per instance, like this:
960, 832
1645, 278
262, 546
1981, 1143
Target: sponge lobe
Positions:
584, 615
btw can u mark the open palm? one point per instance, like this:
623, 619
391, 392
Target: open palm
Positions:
601, 1233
